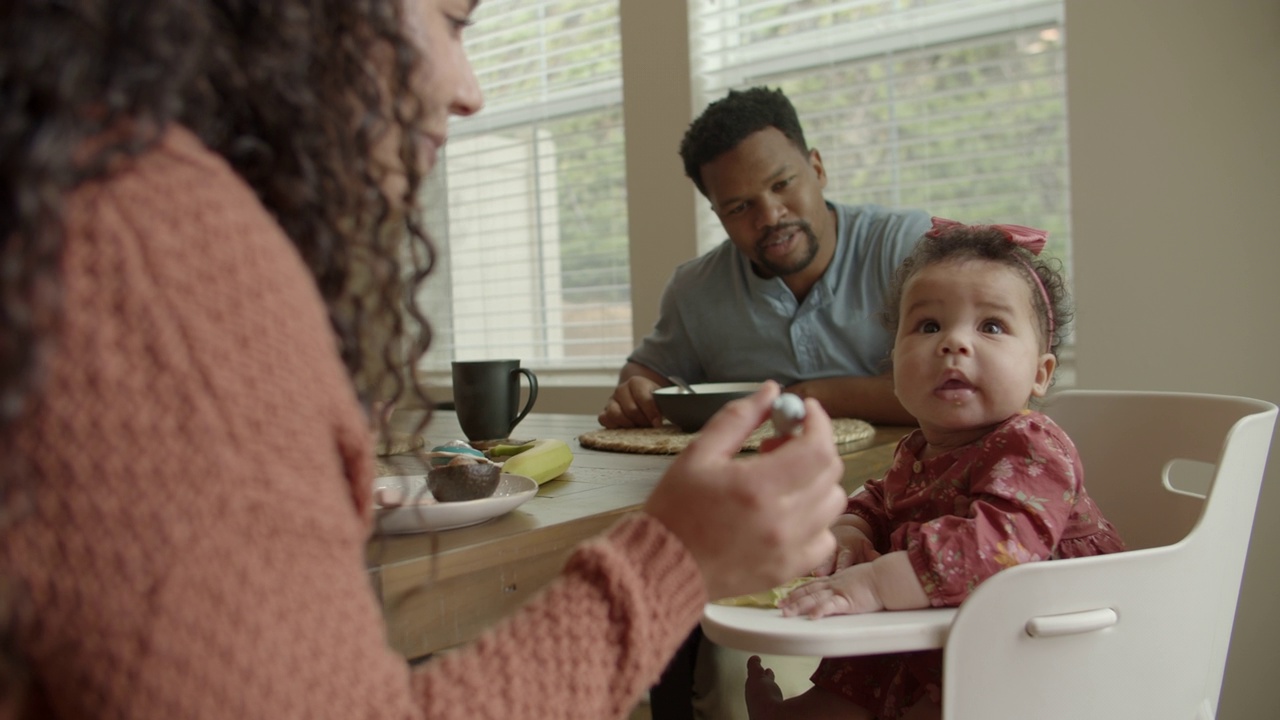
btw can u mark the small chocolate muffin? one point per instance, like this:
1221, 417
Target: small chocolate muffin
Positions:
464, 479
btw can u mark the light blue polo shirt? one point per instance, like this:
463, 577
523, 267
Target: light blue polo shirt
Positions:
720, 322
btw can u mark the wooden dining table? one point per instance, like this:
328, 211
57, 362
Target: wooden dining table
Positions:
441, 589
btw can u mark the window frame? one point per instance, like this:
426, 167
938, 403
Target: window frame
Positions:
667, 218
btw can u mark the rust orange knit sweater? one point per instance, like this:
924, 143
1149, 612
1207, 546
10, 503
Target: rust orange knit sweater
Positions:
191, 542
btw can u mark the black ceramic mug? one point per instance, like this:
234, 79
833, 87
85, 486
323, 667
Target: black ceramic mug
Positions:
486, 396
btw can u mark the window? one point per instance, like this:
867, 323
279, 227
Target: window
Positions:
534, 219
953, 106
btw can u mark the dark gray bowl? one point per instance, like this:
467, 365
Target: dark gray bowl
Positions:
459, 483
691, 412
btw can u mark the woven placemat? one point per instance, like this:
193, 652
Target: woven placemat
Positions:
398, 456
399, 444
669, 440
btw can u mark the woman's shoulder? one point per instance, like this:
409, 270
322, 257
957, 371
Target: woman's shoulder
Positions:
184, 210
174, 174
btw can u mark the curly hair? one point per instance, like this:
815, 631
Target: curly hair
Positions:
729, 120
984, 242
295, 94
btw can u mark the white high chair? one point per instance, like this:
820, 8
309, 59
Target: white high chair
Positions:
1138, 634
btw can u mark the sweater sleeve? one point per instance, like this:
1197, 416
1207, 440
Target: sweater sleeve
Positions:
588, 645
298, 634
193, 543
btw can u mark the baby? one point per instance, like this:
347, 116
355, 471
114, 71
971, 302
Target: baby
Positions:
983, 484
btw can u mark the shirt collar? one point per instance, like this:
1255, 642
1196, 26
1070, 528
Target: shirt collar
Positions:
823, 291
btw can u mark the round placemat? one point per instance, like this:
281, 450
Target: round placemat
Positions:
399, 444
669, 440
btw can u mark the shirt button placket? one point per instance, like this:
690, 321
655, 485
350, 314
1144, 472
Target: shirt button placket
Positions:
802, 339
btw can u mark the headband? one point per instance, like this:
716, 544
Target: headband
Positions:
1027, 238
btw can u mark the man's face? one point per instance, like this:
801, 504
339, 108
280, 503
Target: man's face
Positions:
768, 196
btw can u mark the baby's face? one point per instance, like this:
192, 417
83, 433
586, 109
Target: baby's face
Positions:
968, 353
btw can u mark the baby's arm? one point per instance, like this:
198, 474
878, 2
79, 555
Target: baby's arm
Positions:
853, 545
887, 583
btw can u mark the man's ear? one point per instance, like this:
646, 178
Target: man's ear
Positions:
815, 162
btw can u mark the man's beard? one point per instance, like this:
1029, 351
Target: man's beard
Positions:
777, 270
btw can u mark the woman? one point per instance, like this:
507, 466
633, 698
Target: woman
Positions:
196, 197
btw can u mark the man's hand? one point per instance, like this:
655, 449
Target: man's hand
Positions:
632, 402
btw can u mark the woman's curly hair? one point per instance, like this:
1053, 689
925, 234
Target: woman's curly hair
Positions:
984, 242
310, 101
295, 94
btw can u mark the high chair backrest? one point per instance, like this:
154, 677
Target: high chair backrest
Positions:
1139, 634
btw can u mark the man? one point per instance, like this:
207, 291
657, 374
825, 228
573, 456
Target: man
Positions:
794, 294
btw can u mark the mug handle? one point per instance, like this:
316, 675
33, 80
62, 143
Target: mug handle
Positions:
533, 395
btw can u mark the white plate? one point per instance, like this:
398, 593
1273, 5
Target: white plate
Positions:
411, 517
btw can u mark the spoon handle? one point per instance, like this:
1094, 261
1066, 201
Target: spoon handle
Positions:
675, 380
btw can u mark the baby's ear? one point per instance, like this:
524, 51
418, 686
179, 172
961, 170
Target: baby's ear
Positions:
1045, 366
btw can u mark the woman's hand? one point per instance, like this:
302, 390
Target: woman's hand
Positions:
755, 522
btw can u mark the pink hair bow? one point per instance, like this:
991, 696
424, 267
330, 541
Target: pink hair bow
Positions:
1027, 238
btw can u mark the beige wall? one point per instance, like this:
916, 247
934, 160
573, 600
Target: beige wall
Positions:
1174, 110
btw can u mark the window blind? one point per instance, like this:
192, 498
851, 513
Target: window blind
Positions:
953, 106
528, 202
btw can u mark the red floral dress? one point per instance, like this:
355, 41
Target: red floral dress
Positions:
1016, 495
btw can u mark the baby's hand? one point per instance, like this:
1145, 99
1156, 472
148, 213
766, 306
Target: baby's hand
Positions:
847, 592
852, 547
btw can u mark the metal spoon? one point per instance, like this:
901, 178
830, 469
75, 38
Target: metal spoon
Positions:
681, 384
788, 414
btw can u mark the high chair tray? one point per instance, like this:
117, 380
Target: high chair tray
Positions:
764, 630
